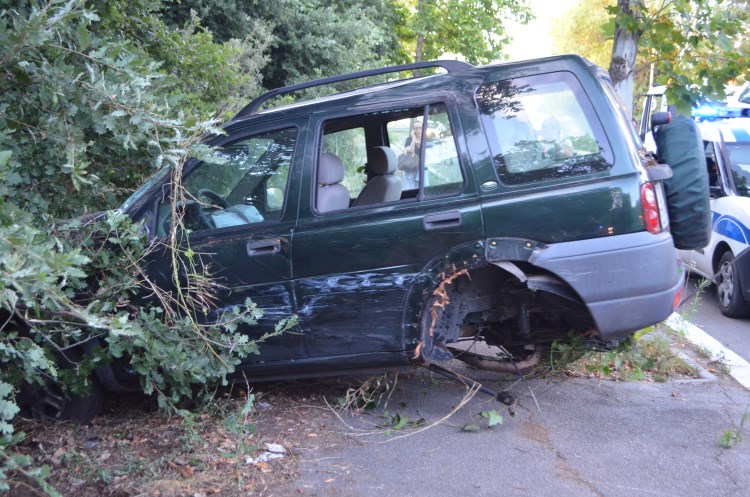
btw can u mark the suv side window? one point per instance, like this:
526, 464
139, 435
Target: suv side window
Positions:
350, 146
442, 172
542, 128
399, 135
245, 184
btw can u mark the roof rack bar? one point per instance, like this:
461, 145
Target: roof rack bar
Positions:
448, 65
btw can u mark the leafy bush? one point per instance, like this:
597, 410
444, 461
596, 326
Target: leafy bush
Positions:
94, 96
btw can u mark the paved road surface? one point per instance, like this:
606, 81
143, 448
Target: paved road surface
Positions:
587, 438
732, 333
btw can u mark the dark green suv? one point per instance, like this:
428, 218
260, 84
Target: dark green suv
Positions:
509, 204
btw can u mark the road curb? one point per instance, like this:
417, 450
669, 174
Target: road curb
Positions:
739, 368
703, 374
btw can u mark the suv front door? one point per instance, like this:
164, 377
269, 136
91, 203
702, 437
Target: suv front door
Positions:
239, 214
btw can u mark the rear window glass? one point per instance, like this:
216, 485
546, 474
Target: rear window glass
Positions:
542, 128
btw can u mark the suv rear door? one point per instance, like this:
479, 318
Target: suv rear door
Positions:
356, 267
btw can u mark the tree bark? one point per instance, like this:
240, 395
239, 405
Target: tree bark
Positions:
420, 36
624, 51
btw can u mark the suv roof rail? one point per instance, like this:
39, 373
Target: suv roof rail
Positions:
448, 65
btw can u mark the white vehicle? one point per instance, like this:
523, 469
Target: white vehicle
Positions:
726, 259
655, 100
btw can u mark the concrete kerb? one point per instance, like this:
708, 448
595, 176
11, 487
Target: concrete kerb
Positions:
739, 368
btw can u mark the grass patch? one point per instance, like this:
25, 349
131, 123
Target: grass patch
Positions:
647, 355
730, 438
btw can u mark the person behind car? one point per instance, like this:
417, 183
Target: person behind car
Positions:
408, 161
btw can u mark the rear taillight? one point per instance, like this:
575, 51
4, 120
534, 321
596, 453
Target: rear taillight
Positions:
650, 208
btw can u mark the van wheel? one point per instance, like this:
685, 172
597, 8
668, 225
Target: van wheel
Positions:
728, 290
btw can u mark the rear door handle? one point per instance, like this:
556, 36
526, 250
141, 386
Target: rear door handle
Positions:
262, 247
441, 220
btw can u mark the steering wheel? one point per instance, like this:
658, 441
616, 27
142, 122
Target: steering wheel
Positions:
213, 199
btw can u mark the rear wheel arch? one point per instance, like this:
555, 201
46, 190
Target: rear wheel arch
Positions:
512, 306
438, 273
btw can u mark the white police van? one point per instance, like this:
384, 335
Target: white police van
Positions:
726, 259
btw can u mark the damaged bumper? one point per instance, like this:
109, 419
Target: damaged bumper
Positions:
619, 279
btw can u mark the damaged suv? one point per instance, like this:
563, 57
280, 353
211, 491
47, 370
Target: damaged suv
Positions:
508, 204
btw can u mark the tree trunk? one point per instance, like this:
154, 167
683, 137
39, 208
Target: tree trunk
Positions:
420, 42
624, 51
420, 38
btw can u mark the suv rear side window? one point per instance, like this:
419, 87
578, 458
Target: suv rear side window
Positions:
379, 158
542, 128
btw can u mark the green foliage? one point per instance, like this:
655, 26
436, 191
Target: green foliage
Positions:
696, 46
492, 417
730, 438
472, 30
94, 96
579, 30
237, 424
11, 462
644, 355
7, 409
700, 47
85, 110
310, 38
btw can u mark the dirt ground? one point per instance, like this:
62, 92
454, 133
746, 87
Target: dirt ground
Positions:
132, 450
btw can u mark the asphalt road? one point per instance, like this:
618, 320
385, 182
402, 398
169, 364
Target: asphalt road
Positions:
734, 334
584, 438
